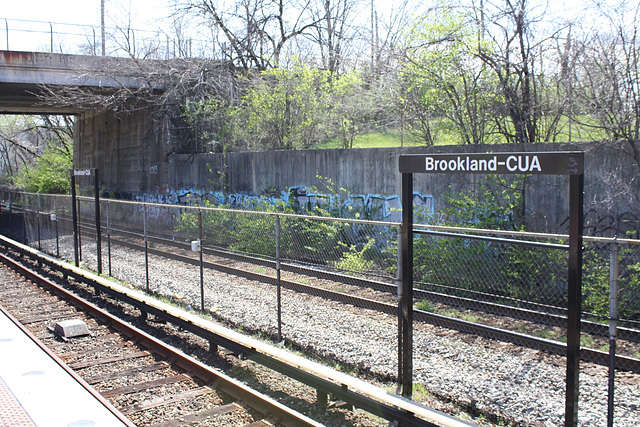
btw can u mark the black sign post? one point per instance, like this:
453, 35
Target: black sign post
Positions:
94, 173
545, 163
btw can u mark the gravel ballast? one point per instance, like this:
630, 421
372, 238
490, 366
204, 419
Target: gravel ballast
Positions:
502, 380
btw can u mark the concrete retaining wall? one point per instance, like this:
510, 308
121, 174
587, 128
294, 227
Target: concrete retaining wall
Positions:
134, 159
611, 178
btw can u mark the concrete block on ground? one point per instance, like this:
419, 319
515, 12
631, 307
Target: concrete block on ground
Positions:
71, 328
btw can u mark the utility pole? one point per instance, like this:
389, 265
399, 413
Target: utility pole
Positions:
372, 36
104, 36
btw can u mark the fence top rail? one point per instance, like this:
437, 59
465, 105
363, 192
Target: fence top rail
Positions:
491, 239
511, 233
527, 234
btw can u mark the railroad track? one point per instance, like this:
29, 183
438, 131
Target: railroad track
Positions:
333, 390
488, 303
531, 312
461, 325
148, 381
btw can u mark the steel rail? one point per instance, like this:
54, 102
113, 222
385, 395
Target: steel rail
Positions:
460, 325
234, 388
396, 408
95, 394
534, 312
529, 311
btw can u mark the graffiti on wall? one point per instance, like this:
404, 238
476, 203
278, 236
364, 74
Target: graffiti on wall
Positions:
624, 225
367, 206
598, 223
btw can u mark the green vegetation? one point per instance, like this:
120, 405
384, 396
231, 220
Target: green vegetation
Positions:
466, 267
425, 305
353, 259
511, 274
50, 173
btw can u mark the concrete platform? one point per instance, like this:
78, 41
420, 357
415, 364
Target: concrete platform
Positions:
37, 389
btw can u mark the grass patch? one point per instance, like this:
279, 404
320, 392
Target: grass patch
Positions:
587, 341
450, 313
470, 317
445, 133
420, 393
425, 305
545, 334
262, 270
373, 140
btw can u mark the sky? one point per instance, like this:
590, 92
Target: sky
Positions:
27, 24
82, 11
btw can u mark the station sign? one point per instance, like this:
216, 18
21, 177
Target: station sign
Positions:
547, 163
82, 172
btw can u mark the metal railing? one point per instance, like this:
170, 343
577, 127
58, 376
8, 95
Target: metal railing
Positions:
83, 39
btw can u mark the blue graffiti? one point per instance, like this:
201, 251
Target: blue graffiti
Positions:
363, 206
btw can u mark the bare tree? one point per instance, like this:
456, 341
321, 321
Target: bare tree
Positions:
609, 79
388, 29
507, 44
333, 31
257, 30
162, 90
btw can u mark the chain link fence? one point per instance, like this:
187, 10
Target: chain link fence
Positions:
508, 286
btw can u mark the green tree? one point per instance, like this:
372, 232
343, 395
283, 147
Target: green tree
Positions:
352, 105
498, 203
49, 174
284, 109
447, 82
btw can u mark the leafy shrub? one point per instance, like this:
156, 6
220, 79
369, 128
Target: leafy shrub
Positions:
496, 271
354, 259
50, 174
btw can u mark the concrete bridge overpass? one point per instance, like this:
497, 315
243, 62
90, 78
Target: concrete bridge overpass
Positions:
130, 149
23, 73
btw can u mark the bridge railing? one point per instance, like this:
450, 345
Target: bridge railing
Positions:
77, 39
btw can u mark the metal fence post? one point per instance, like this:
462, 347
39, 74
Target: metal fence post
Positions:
108, 238
574, 305
399, 293
6, 26
10, 217
613, 323
79, 227
24, 220
96, 190
279, 287
74, 215
146, 247
55, 220
38, 221
406, 306
201, 261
